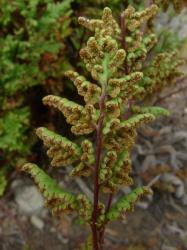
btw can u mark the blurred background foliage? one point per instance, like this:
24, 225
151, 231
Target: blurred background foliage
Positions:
39, 40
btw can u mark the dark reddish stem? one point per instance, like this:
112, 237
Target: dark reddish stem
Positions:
123, 36
102, 230
99, 146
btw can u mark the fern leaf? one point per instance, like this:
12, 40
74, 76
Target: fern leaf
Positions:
85, 208
71, 110
88, 90
136, 121
156, 111
62, 151
55, 197
125, 203
82, 118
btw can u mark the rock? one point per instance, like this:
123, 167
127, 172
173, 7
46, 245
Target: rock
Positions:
142, 205
184, 200
37, 222
176, 182
29, 200
168, 248
44, 213
16, 183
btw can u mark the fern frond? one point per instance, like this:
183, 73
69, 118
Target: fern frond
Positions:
122, 169
88, 90
55, 197
71, 110
136, 121
126, 203
82, 118
107, 23
126, 86
85, 208
87, 159
136, 19
164, 68
115, 57
155, 111
62, 151
107, 166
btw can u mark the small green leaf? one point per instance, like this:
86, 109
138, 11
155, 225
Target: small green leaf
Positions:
125, 203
